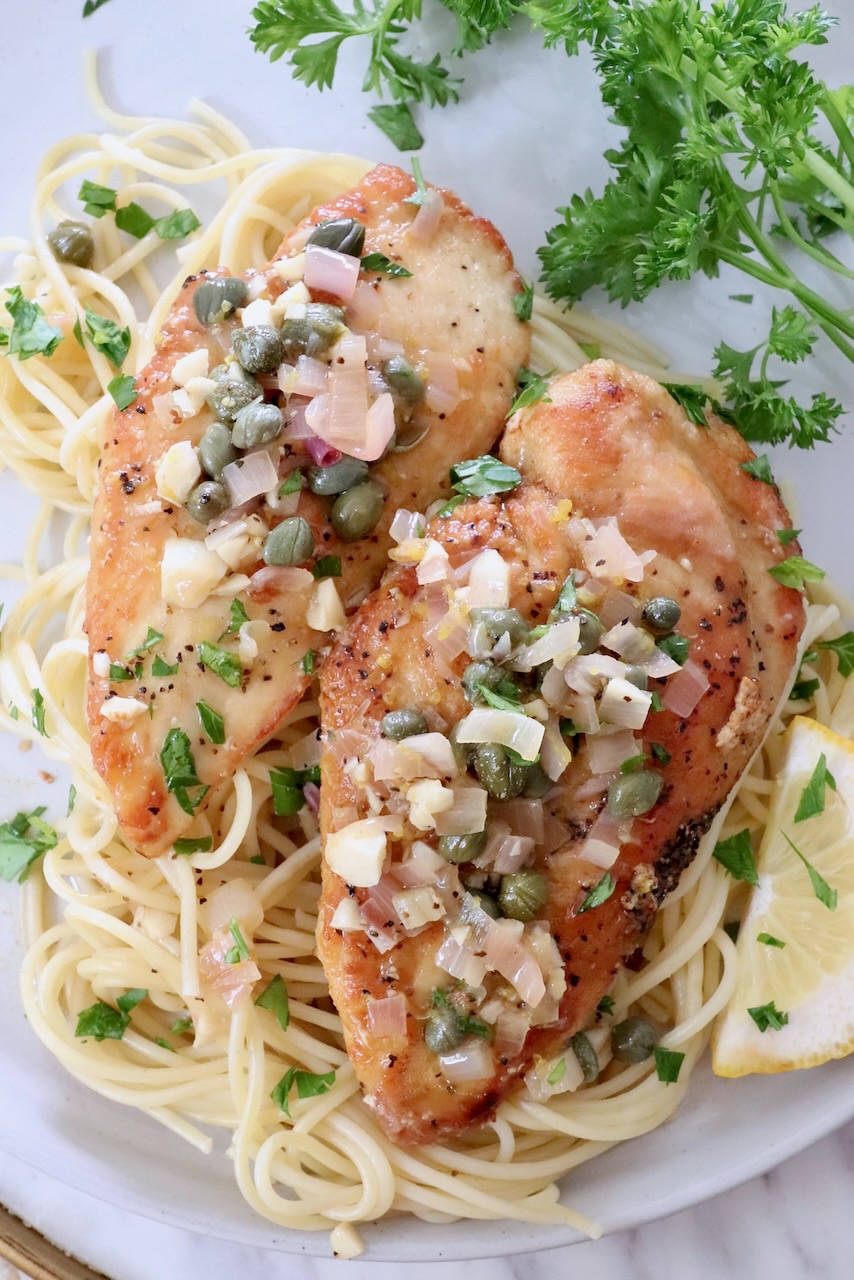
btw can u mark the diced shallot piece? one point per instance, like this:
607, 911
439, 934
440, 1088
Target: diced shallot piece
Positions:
685, 690
387, 1017
250, 476
328, 271
429, 215
474, 1061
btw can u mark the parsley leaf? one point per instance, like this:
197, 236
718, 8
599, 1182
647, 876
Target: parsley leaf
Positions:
661, 754
293, 482
37, 714
275, 998
309, 1085
692, 399
785, 536
498, 701
287, 785
135, 220
31, 334
192, 844
327, 567
768, 1015
668, 1064
91, 5
239, 951
181, 1025
523, 301
309, 662
795, 571
123, 390
532, 388
379, 262
480, 477
238, 617
600, 893
152, 638
212, 722
592, 350
843, 647
811, 802
160, 667
675, 646
103, 1022
568, 596
605, 1006
759, 468
179, 770
803, 690
176, 225
736, 856
557, 1072
22, 841
769, 940
222, 663
97, 200
397, 124
822, 890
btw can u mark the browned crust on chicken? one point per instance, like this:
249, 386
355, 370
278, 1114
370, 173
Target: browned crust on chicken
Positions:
458, 302
618, 445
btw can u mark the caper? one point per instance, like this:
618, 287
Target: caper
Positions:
637, 676
445, 1029
463, 751
537, 782
499, 621
291, 542
480, 673
501, 776
216, 450
233, 392
72, 242
633, 1040
208, 501
590, 631
402, 724
344, 235
477, 898
314, 333
587, 1057
258, 348
522, 895
405, 385
214, 300
661, 614
633, 794
462, 848
408, 436
337, 478
257, 424
355, 513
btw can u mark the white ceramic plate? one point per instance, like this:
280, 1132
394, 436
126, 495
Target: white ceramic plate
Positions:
528, 133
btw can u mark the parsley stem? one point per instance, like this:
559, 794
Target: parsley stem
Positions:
838, 125
817, 252
833, 180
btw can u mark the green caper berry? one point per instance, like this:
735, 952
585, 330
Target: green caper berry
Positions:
661, 614
344, 235
232, 392
291, 542
633, 794
463, 751
590, 631
358, 511
314, 333
462, 848
72, 242
258, 348
444, 1030
637, 676
633, 1040
537, 782
486, 903
214, 300
257, 424
499, 621
402, 724
208, 501
522, 895
501, 777
216, 450
587, 1057
480, 673
405, 385
338, 478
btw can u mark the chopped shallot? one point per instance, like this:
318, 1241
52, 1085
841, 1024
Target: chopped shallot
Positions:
685, 690
229, 981
467, 814
607, 750
406, 525
603, 841
508, 728
489, 581
387, 1017
515, 851
474, 1061
511, 1031
328, 271
429, 215
250, 476
234, 900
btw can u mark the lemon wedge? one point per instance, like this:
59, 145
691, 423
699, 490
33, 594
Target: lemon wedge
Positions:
810, 979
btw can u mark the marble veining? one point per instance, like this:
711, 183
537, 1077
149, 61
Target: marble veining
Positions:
795, 1223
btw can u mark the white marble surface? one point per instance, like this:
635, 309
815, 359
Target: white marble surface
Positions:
794, 1223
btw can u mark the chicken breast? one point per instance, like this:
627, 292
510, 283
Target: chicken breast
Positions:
457, 959
198, 649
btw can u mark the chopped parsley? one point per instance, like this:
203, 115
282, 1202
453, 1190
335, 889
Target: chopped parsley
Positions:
605, 1006
179, 771
72, 799
395, 120
675, 646
785, 536
768, 1015
222, 663
803, 690
97, 200
634, 763
668, 1064
123, 390
499, 701
238, 617
309, 662
135, 220
103, 1022
22, 841
37, 714
759, 468
239, 951
161, 668
661, 754
523, 301
212, 722
152, 638
176, 225
379, 262
812, 798
795, 571
192, 844
769, 940
532, 387
735, 855
287, 785
600, 893
181, 1025
843, 647
327, 567
310, 1084
106, 335
31, 334
822, 890
557, 1072
568, 596
592, 350
480, 477
293, 483
692, 400
275, 998
164, 1044
120, 673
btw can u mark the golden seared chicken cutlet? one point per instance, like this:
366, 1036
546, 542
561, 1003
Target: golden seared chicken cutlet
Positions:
529, 726
245, 496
